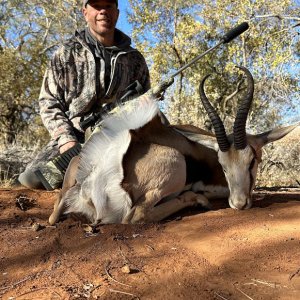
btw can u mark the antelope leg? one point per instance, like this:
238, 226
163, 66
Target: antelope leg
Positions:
69, 182
164, 210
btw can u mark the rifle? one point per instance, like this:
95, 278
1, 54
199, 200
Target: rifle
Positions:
133, 90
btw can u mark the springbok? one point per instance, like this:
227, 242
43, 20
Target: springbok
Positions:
136, 169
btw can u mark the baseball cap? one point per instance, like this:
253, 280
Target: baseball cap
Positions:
85, 2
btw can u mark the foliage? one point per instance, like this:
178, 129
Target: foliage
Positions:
171, 33
15, 157
281, 162
29, 32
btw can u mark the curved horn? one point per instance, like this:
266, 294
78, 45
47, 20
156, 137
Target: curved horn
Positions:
239, 127
217, 123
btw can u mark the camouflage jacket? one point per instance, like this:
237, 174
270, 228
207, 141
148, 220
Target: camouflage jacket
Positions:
69, 87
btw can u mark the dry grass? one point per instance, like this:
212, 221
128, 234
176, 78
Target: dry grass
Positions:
281, 162
13, 160
280, 165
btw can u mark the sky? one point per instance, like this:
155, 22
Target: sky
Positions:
122, 22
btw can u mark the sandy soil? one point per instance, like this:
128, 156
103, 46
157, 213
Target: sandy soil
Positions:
220, 254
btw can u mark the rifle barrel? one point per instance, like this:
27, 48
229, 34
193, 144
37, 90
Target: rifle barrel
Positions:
195, 59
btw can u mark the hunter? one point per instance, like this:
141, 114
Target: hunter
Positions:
92, 68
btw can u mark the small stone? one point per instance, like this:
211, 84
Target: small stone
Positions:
88, 286
36, 227
88, 228
126, 269
135, 235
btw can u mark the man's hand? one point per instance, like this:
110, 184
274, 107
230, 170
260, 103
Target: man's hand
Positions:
67, 146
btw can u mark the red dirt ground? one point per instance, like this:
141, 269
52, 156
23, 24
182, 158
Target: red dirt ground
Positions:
220, 254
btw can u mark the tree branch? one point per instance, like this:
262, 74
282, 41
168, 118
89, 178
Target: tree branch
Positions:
235, 92
280, 17
48, 48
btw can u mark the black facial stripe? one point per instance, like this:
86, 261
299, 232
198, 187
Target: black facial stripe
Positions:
252, 164
250, 169
251, 181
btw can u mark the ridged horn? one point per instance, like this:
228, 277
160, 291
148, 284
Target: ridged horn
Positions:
217, 123
239, 127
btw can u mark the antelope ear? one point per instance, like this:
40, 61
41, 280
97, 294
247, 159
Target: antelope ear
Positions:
273, 135
204, 140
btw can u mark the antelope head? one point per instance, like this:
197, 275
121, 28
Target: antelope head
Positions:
238, 153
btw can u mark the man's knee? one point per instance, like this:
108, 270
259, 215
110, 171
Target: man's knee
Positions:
30, 180
47, 177
30, 176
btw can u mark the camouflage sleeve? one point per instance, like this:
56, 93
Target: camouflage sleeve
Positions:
53, 106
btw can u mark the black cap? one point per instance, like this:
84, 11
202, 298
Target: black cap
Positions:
85, 2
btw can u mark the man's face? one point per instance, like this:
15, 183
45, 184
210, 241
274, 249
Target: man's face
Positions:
101, 16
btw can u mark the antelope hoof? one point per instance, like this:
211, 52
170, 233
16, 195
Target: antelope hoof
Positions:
57, 211
53, 218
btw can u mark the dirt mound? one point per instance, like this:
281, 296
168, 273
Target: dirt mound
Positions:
220, 254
